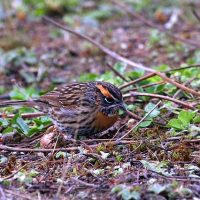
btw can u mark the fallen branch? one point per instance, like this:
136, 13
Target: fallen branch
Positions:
121, 58
159, 97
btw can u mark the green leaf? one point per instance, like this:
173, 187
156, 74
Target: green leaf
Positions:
131, 107
186, 117
88, 77
176, 123
3, 122
196, 119
8, 130
61, 154
33, 173
161, 68
20, 124
146, 123
149, 107
120, 67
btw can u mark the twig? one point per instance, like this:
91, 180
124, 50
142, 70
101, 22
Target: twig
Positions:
11, 175
178, 178
121, 58
183, 68
195, 13
24, 116
178, 91
124, 7
64, 172
133, 115
113, 142
85, 183
136, 125
159, 97
137, 80
180, 86
18, 149
145, 86
116, 72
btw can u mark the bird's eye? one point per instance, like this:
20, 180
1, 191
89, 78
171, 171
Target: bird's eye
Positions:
109, 100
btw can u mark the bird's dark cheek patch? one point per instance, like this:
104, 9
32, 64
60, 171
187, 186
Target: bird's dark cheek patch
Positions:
104, 91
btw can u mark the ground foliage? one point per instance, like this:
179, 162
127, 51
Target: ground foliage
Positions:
158, 159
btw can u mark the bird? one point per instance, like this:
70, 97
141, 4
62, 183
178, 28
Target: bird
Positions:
79, 109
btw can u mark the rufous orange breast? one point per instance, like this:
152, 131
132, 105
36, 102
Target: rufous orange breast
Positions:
103, 122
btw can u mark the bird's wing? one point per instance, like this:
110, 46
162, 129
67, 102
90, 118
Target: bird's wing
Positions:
69, 96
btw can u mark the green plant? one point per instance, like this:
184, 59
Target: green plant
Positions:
183, 121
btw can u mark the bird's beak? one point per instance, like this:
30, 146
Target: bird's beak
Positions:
123, 107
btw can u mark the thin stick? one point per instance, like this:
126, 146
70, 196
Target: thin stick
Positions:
183, 68
116, 72
11, 175
64, 173
195, 13
134, 116
85, 183
121, 58
24, 116
179, 91
177, 178
114, 142
159, 97
140, 121
137, 80
145, 86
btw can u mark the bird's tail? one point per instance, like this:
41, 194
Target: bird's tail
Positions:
29, 103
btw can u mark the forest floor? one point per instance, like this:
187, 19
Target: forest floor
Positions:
158, 159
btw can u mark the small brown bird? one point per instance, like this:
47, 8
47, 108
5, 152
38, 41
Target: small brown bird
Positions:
79, 108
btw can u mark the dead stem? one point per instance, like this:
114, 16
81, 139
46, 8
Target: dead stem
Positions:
160, 97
